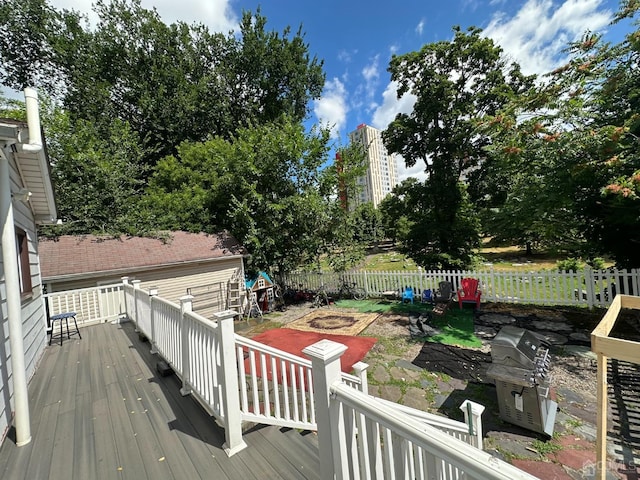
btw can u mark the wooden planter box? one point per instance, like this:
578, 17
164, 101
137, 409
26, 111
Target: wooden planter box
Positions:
606, 347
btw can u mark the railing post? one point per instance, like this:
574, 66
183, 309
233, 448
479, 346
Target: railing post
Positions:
136, 292
230, 388
473, 418
153, 292
325, 369
186, 305
589, 286
361, 372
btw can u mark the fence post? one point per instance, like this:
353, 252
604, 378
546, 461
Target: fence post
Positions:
589, 281
186, 305
136, 292
153, 292
230, 396
361, 372
366, 283
473, 418
325, 369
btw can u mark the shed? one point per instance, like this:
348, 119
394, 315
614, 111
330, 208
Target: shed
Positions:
177, 263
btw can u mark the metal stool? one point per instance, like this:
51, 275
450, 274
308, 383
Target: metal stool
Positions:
63, 317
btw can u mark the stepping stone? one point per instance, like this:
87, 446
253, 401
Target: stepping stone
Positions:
496, 319
551, 325
485, 332
552, 338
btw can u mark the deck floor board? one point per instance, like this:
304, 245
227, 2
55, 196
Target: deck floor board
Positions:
100, 410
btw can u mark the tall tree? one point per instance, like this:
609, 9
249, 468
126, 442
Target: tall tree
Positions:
170, 83
263, 185
455, 83
95, 176
578, 135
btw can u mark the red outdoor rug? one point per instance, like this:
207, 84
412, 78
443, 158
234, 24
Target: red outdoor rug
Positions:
294, 341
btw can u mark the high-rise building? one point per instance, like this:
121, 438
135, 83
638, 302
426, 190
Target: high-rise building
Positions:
382, 173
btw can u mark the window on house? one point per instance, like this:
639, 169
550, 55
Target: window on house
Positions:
24, 268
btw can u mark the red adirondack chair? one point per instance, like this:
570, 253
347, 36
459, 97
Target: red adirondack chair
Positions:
469, 291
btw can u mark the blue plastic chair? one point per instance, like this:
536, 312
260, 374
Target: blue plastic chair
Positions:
407, 294
426, 296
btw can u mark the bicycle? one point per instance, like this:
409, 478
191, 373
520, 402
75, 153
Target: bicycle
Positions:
351, 290
320, 297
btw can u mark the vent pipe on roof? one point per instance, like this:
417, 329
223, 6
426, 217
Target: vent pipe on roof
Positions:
33, 121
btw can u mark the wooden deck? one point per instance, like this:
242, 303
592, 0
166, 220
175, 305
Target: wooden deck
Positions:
100, 410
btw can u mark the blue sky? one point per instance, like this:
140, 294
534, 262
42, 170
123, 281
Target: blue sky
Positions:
357, 38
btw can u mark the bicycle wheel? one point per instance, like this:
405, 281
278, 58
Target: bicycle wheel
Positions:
359, 293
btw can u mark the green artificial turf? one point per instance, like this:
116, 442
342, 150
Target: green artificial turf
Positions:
456, 325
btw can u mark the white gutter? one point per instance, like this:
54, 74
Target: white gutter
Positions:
14, 307
33, 121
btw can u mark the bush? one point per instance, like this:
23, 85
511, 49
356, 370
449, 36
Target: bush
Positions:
569, 264
596, 263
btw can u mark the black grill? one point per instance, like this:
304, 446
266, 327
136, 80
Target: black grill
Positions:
520, 367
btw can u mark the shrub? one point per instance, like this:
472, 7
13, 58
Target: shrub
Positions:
569, 264
596, 263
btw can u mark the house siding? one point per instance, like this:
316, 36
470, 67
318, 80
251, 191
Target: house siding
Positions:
33, 318
173, 281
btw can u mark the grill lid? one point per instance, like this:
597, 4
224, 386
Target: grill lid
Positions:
515, 347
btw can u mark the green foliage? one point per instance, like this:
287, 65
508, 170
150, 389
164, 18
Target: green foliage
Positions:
455, 83
435, 223
95, 176
367, 221
597, 263
262, 186
579, 140
12, 109
569, 265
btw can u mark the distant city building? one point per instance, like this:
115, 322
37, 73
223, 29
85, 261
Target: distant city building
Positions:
382, 174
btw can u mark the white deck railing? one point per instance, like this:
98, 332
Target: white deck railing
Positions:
362, 437
548, 287
237, 379
91, 305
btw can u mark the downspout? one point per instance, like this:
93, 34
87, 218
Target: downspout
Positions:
33, 122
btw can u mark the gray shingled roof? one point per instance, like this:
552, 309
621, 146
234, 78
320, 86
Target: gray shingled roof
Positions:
78, 256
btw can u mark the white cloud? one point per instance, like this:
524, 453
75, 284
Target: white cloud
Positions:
420, 27
215, 14
391, 106
366, 92
385, 114
537, 34
331, 108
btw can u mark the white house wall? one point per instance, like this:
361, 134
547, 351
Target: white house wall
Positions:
33, 319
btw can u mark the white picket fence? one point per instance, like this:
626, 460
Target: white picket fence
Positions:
584, 287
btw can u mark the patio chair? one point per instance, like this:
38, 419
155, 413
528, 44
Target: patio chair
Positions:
427, 296
444, 293
407, 294
469, 292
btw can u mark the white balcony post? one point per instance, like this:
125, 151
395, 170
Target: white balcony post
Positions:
473, 418
125, 280
325, 368
230, 389
361, 372
153, 292
136, 292
186, 305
